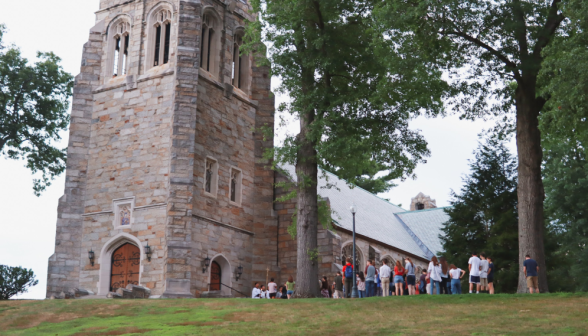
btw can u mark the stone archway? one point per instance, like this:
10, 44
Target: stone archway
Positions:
347, 252
105, 259
221, 275
391, 261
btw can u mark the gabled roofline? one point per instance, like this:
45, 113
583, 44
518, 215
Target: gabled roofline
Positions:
416, 238
425, 210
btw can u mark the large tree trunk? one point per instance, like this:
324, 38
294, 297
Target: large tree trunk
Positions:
530, 188
307, 224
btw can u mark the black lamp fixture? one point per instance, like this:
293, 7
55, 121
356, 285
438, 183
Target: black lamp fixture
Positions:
148, 252
206, 264
91, 256
239, 272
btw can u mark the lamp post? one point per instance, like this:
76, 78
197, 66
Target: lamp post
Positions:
354, 293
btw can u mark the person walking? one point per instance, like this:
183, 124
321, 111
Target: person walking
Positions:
410, 276
272, 289
290, 286
531, 269
434, 273
361, 285
385, 273
348, 272
456, 274
325, 287
339, 286
445, 283
370, 279
490, 276
256, 293
474, 268
398, 279
483, 273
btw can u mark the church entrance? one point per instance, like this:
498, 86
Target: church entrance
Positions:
215, 276
126, 261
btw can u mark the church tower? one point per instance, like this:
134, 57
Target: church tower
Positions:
422, 202
166, 184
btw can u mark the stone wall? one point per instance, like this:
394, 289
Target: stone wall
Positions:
64, 264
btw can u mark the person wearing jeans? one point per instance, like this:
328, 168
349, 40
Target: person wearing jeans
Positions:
361, 285
456, 274
434, 273
370, 279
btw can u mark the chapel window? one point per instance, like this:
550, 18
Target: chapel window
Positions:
240, 63
211, 177
420, 206
121, 49
162, 38
209, 43
235, 186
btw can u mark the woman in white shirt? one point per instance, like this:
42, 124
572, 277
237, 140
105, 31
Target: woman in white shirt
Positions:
455, 275
434, 273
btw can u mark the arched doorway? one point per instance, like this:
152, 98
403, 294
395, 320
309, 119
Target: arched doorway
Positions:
347, 252
126, 263
215, 276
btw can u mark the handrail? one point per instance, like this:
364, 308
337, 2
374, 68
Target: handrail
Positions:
245, 295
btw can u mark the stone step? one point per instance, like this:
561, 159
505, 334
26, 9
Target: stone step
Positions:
215, 295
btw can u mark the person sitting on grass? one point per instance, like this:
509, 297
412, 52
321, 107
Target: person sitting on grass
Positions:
531, 269
256, 294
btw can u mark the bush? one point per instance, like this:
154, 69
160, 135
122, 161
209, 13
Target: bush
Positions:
15, 280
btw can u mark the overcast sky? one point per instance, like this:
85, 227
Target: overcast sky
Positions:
27, 223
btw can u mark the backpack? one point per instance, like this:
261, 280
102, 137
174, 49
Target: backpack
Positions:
349, 272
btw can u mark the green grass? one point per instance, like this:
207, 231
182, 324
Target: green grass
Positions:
552, 314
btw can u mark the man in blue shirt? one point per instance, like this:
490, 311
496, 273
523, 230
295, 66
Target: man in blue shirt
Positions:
531, 270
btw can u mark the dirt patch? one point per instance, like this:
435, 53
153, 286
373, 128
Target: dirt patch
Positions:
89, 331
122, 331
181, 311
198, 323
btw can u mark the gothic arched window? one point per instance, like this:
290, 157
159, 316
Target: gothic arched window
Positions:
240, 64
235, 186
420, 206
209, 43
211, 177
161, 37
120, 51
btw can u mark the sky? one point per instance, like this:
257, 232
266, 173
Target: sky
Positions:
27, 222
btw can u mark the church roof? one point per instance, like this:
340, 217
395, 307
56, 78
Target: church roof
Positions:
379, 219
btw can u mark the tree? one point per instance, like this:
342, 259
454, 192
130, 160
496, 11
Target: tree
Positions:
490, 50
34, 100
483, 216
15, 280
353, 95
565, 129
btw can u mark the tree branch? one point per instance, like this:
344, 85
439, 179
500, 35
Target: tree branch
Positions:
553, 22
509, 64
521, 30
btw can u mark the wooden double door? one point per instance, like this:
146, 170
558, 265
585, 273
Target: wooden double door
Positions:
126, 261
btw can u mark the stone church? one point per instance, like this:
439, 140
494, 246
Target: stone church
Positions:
166, 184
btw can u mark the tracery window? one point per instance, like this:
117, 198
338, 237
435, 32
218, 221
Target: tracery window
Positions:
162, 38
240, 64
120, 54
210, 42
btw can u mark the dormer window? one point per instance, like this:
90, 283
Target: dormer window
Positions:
210, 43
120, 53
162, 38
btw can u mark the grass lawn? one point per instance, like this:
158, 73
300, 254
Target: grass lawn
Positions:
551, 314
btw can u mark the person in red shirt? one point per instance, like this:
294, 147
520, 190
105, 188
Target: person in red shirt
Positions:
398, 279
348, 275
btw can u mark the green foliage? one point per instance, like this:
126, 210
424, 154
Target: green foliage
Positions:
15, 280
354, 88
313, 255
484, 215
34, 100
565, 139
483, 45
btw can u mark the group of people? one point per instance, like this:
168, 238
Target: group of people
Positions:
439, 278
272, 291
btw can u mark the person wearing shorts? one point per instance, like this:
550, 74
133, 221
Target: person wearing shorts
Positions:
272, 289
531, 269
483, 272
490, 276
474, 267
